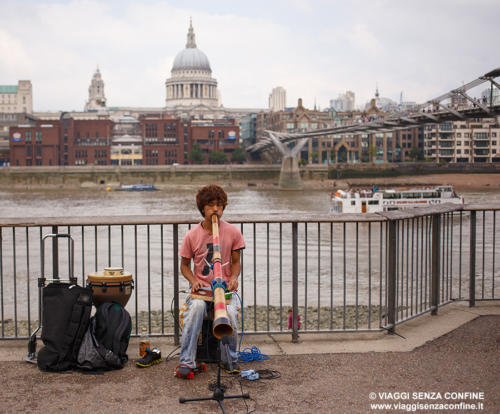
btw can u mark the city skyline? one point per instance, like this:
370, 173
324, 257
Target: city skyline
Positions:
315, 50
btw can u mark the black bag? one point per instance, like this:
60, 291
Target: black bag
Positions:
105, 344
66, 316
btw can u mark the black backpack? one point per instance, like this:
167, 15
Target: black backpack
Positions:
105, 343
66, 316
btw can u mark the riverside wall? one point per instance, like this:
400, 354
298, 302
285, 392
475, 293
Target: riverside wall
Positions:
242, 175
98, 176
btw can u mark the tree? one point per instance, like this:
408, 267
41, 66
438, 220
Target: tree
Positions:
372, 152
415, 154
196, 155
217, 157
239, 155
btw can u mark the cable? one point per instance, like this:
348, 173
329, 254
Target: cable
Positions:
268, 374
172, 353
248, 354
251, 354
242, 321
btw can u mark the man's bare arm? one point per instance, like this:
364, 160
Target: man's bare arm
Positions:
188, 274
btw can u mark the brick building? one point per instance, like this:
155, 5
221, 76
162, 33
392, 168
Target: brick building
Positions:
163, 139
83, 138
214, 135
390, 146
35, 144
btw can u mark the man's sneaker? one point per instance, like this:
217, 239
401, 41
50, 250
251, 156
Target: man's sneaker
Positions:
153, 356
186, 372
235, 371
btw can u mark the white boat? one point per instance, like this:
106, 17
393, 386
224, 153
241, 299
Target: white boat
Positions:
137, 187
376, 201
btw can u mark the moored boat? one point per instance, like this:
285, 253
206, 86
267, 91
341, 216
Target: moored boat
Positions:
137, 187
378, 200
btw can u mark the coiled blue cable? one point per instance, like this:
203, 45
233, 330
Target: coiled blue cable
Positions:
251, 354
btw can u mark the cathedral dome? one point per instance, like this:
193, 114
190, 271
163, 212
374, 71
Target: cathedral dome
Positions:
191, 82
191, 58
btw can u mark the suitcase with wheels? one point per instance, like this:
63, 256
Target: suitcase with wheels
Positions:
63, 314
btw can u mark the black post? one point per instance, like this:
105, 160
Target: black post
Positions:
295, 282
472, 260
391, 280
176, 282
436, 241
55, 254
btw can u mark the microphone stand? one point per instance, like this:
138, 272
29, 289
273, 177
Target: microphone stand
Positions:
218, 394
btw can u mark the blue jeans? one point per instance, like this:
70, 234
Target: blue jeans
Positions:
193, 321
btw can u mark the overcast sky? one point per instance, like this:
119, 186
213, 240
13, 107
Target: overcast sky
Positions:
315, 49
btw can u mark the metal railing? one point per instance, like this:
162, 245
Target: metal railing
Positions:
337, 272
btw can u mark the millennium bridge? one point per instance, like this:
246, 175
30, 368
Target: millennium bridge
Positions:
434, 111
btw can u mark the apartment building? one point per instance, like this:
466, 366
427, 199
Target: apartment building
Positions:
471, 141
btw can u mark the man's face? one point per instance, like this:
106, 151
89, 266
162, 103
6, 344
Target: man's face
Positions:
213, 207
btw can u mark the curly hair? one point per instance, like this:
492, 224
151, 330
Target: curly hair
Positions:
208, 194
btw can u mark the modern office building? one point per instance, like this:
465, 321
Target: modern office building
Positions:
277, 99
344, 103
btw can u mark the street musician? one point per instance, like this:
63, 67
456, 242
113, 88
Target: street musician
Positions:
198, 246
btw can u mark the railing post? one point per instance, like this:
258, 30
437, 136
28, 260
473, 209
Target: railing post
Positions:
295, 282
55, 255
472, 260
175, 242
436, 241
391, 280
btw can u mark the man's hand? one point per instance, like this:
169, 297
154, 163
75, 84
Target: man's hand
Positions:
232, 285
196, 285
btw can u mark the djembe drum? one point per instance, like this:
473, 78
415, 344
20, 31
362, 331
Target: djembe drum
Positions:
112, 285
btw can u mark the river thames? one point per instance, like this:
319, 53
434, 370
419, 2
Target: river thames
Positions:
267, 262
181, 199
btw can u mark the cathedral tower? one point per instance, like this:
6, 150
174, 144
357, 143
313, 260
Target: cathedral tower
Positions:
97, 100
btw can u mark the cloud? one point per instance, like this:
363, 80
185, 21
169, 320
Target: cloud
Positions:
15, 50
314, 49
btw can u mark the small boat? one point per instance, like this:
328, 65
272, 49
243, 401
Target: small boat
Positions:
137, 187
378, 200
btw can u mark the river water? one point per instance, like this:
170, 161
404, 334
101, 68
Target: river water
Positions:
266, 276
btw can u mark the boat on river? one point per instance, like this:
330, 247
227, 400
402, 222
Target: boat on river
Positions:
137, 187
379, 200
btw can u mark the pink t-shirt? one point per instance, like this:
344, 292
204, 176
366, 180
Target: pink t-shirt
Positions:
198, 245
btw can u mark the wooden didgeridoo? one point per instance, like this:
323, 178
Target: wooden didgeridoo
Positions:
221, 324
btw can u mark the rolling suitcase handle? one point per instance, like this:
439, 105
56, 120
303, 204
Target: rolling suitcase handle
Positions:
71, 251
